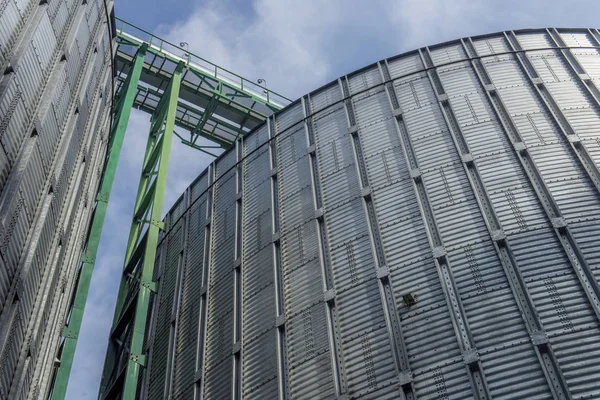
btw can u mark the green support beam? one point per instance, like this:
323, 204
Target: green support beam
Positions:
137, 285
88, 259
218, 104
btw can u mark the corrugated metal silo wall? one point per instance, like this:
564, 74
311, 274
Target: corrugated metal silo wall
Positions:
423, 228
55, 101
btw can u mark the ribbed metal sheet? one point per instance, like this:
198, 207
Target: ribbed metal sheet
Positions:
51, 119
423, 228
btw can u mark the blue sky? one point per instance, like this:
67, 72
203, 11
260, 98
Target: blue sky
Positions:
297, 47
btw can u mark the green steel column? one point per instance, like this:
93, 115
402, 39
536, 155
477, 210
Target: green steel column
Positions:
141, 250
88, 259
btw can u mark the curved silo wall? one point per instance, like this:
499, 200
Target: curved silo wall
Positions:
422, 228
55, 102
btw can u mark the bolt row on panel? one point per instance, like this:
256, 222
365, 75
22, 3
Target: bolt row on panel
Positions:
423, 228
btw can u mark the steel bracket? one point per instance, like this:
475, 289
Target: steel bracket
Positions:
280, 321
138, 359
159, 224
150, 285
69, 333
539, 338
102, 197
470, 357
88, 259
383, 273
329, 296
275, 238
319, 214
439, 252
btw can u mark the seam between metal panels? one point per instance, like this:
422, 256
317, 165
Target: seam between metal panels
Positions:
542, 193
176, 305
456, 313
238, 296
282, 381
592, 94
388, 301
554, 110
336, 357
580, 265
205, 289
153, 314
552, 372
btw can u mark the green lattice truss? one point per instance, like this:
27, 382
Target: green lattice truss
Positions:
190, 98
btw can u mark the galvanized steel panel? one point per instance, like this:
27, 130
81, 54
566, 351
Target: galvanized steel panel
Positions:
328, 148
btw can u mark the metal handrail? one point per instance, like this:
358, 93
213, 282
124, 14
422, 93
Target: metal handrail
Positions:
133, 32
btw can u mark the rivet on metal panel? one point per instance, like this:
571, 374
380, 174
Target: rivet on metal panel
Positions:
382, 272
237, 263
312, 148
405, 378
319, 214
329, 296
365, 192
490, 87
537, 81
498, 235
439, 252
138, 359
274, 171
159, 224
520, 146
539, 338
197, 375
470, 357
574, 138
584, 77
353, 130
410, 299
280, 320
237, 346
239, 195
415, 173
559, 223
442, 98
467, 158
275, 238
397, 112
